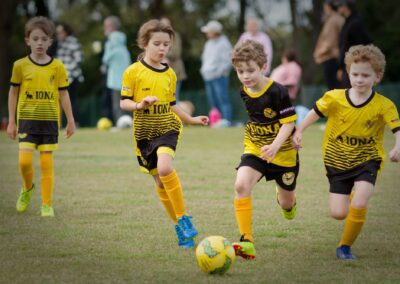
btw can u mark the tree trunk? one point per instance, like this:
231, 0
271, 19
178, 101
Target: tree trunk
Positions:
243, 6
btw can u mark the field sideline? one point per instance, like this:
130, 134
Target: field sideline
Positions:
110, 227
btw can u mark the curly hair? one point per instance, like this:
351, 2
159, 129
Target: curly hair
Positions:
247, 51
366, 53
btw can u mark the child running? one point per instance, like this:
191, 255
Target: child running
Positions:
353, 143
38, 84
268, 150
148, 89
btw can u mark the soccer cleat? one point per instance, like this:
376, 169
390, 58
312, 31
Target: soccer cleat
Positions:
24, 199
189, 231
182, 241
245, 249
289, 214
47, 211
344, 252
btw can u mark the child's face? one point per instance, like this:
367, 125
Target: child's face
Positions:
250, 74
362, 77
39, 42
157, 47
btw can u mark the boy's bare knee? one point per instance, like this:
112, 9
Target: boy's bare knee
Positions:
338, 214
241, 189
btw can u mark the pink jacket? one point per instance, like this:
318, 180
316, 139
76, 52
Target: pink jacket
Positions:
288, 75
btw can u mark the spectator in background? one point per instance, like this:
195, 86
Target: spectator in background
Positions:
174, 59
253, 33
215, 68
353, 33
116, 58
68, 50
288, 74
327, 48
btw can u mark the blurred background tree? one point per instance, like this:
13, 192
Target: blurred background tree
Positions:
290, 23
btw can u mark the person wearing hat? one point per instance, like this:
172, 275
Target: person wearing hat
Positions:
354, 32
215, 68
326, 50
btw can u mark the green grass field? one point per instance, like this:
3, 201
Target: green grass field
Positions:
110, 227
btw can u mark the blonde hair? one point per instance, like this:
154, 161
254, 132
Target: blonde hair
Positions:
366, 53
247, 51
150, 27
42, 23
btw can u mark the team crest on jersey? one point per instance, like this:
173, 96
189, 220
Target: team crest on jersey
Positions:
288, 178
369, 124
269, 113
28, 95
22, 135
52, 77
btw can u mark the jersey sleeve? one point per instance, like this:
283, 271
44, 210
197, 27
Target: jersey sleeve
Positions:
127, 85
391, 116
171, 94
16, 77
324, 105
62, 77
287, 112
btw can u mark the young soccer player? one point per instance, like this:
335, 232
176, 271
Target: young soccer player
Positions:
268, 150
38, 85
353, 144
148, 89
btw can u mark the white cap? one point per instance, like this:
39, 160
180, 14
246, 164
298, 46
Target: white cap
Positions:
212, 26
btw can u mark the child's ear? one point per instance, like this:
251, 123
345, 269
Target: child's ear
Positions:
378, 77
27, 41
264, 68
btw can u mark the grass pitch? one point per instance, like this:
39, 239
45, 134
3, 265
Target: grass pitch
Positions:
110, 227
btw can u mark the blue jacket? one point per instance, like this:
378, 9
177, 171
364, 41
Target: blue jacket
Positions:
117, 58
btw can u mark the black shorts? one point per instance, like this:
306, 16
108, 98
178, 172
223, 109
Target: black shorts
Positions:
41, 142
344, 183
285, 177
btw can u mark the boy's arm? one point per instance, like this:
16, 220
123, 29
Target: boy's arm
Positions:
268, 152
311, 117
66, 105
186, 118
395, 152
12, 106
131, 105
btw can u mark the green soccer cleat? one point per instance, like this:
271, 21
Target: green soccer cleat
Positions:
24, 199
47, 211
245, 249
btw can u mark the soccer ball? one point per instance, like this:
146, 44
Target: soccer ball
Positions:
215, 255
124, 121
104, 123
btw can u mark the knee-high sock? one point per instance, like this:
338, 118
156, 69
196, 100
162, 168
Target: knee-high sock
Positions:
162, 194
173, 188
354, 222
243, 211
26, 169
47, 180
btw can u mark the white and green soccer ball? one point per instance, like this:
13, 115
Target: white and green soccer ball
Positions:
215, 255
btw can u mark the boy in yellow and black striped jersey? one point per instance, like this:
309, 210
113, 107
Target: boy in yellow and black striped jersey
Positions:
148, 89
38, 84
353, 143
268, 150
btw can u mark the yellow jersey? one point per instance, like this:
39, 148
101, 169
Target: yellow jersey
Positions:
354, 133
38, 110
268, 110
139, 81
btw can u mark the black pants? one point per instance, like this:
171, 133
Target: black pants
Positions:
331, 67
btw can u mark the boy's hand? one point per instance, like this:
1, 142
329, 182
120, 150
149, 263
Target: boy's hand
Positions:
70, 130
394, 155
202, 120
147, 102
12, 130
268, 152
296, 140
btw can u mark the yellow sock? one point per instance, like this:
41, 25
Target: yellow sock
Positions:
354, 222
173, 188
162, 194
26, 168
47, 180
243, 211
